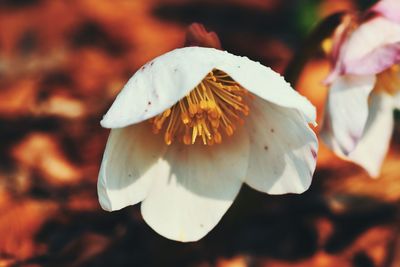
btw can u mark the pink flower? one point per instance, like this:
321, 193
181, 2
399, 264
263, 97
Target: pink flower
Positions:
364, 86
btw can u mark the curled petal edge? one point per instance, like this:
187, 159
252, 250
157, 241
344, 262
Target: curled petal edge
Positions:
162, 82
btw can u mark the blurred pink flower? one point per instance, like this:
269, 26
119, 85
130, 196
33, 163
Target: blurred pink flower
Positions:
364, 86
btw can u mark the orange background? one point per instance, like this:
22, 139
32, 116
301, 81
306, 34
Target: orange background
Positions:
61, 65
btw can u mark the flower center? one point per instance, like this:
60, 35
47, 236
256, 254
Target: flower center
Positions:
212, 109
389, 80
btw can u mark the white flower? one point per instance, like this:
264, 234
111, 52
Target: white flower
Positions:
213, 135
365, 87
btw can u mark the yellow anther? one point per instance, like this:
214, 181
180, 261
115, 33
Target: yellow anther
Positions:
327, 45
167, 113
212, 105
217, 138
193, 109
203, 105
185, 118
168, 138
229, 130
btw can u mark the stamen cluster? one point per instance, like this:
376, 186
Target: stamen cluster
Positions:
211, 109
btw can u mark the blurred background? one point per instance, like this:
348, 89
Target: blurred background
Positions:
62, 64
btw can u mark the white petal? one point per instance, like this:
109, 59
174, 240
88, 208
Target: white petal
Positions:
373, 146
267, 84
346, 111
370, 36
283, 149
186, 202
389, 9
130, 162
162, 82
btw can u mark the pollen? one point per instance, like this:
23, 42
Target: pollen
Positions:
389, 80
210, 112
327, 45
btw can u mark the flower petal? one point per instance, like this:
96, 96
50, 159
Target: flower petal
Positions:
269, 85
336, 44
159, 84
189, 199
283, 149
388, 8
347, 111
378, 60
130, 162
162, 82
373, 146
372, 47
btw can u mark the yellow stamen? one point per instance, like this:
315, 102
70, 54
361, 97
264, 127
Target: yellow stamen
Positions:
389, 80
327, 45
217, 103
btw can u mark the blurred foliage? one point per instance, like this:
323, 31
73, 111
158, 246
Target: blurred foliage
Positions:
307, 16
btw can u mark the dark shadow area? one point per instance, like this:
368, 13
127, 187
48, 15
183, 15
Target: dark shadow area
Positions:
236, 18
28, 42
92, 34
15, 129
361, 259
243, 30
258, 225
18, 3
348, 226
